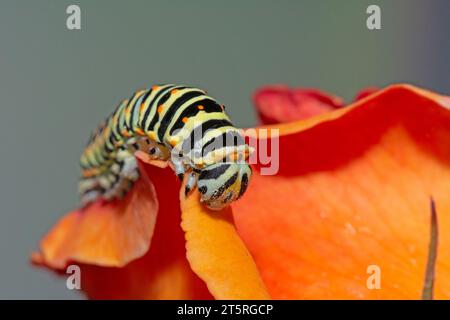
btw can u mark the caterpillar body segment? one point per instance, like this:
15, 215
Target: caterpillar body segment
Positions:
180, 124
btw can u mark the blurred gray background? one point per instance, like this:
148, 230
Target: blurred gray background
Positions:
56, 84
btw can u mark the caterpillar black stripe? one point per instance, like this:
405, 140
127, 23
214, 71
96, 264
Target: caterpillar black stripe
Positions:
180, 124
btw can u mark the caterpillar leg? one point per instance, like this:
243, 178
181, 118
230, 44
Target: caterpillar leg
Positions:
89, 190
191, 182
130, 169
178, 166
158, 152
154, 149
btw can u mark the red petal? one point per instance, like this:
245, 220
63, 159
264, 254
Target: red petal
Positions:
278, 104
366, 92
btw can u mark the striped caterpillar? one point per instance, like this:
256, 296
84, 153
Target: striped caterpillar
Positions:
180, 124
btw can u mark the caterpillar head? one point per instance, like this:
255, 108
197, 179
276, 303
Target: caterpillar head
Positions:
222, 183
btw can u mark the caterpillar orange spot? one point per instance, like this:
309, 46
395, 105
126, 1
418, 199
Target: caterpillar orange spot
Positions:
139, 131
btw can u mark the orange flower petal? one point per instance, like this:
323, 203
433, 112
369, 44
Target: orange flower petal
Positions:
278, 103
353, 191
217, 254
105, 234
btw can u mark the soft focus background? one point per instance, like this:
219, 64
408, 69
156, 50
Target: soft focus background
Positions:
56, 84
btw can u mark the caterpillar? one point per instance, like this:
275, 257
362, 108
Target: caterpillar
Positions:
175, 123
